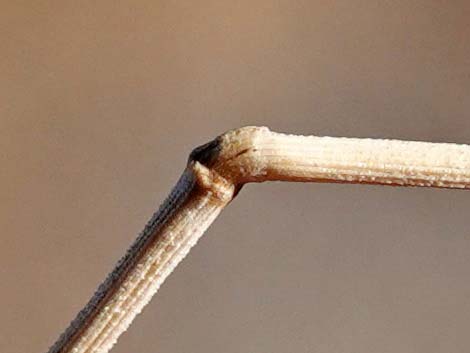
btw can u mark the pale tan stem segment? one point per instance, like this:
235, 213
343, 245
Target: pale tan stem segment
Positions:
192, 206
215, 173
265, 155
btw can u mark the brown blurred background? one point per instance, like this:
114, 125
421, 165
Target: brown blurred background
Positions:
100, 103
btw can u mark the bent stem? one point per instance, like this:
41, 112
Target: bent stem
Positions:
215, 173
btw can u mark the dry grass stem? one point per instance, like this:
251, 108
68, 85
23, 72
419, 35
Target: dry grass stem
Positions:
214, 174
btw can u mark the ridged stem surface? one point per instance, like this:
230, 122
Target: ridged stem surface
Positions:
215, 173
275, 156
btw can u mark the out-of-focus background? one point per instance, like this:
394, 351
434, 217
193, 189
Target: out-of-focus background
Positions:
100, 104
